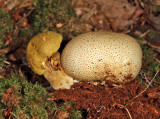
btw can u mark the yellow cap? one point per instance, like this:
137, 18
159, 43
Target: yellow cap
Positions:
40, 47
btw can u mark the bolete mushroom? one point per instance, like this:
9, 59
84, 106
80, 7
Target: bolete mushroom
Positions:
102, 55
44, 58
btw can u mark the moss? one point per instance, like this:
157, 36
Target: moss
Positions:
9, 83
66, 105
26, 32
2, 58
33, 93
38, 112
150, 66
48, 13
6, 25
69, 105
152, 34
140, 38
76, 114
148, 56
32, 99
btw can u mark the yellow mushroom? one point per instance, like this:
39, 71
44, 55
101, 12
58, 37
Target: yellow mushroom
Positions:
41, 46
45, 46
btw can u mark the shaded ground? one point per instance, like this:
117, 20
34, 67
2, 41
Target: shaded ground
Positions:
139, 19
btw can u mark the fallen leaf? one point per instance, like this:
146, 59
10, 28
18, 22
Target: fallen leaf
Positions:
154, 95
62, 115
59, 25
9, 98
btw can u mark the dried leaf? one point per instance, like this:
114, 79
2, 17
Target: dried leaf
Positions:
9, 98
62, 115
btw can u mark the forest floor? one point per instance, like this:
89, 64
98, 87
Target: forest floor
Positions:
24, 94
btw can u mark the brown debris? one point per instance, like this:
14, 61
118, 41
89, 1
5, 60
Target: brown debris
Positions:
108, 14
9, 98
109, 102
154, 21
151, 13
15, 43
62, 115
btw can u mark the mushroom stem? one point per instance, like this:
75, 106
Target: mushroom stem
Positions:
55, 75
58, 79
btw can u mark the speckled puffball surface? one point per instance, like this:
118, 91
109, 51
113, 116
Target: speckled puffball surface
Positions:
102, 55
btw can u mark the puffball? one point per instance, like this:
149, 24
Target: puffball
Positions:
102, 55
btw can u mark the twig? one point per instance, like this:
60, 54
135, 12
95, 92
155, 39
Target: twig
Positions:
144, 89
138, 33
89, 14
124, 107
11, 5
149, 44
157, 60
14, 115
145, 33
128, 112
145, 42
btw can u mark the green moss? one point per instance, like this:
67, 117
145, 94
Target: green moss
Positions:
39, 112
76, 114
27, 32
66, 105
150, 66
2, 58
71, 12
152, 34
148, 56
48, 13
35, 100
9, 83
140, 38
32, 99
6, 25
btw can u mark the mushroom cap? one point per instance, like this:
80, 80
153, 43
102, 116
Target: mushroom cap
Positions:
40, 47
102, 55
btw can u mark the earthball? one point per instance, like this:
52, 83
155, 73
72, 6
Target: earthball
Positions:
102, 55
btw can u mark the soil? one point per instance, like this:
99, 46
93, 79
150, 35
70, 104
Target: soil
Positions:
112, 102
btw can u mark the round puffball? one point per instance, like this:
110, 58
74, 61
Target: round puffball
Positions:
102, 55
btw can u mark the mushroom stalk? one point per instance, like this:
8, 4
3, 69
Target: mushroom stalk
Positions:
55, 75
58, 79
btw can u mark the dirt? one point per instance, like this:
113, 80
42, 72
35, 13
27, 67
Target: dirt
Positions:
110, 102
